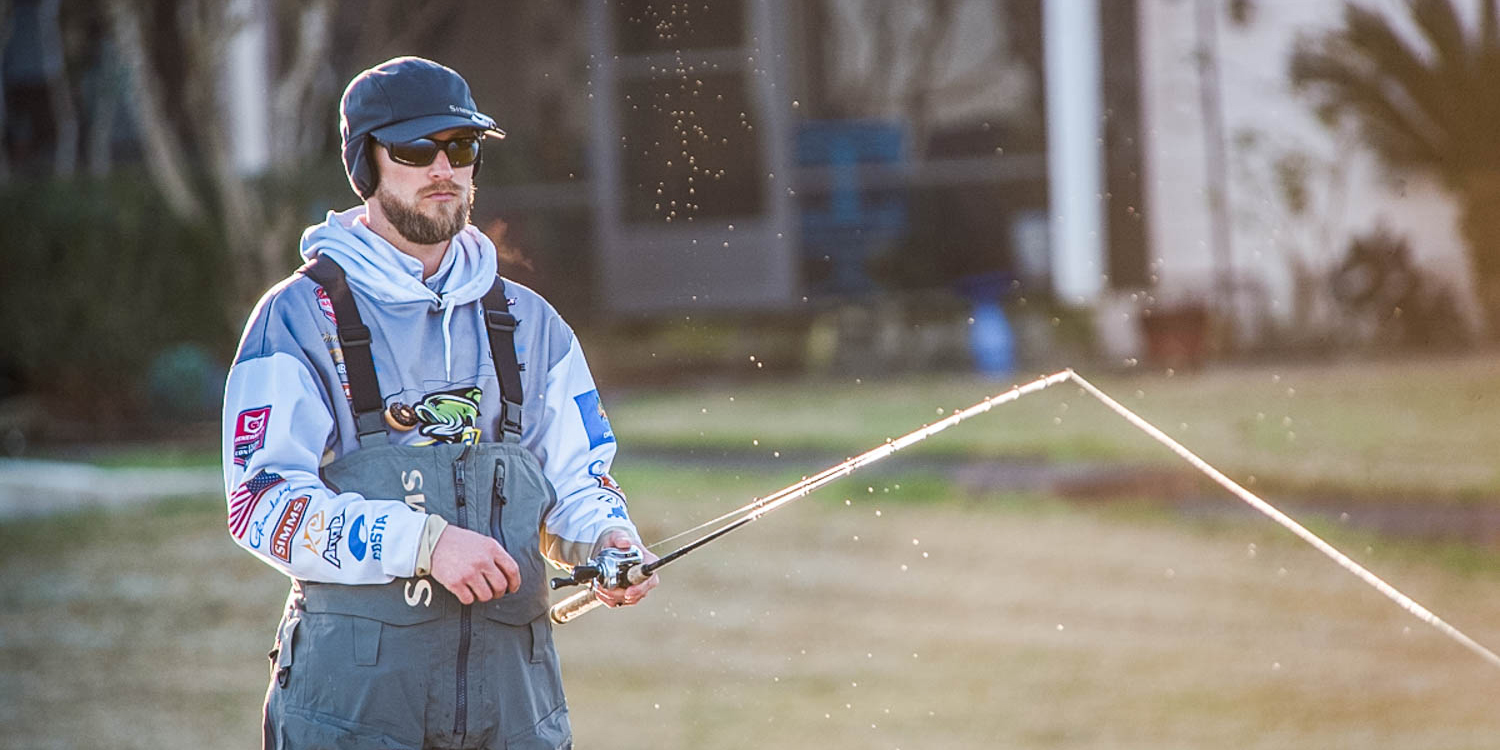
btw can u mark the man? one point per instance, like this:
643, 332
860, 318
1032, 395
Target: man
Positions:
406, 436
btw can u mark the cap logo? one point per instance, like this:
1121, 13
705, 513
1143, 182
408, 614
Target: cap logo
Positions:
472, 115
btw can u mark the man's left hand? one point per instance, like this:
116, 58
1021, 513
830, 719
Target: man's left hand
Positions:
634, 593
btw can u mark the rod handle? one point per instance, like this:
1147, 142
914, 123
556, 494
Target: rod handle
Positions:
568, 609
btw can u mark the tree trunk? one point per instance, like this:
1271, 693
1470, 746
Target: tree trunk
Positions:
59, 92
163, 152
1480, 224
5, 29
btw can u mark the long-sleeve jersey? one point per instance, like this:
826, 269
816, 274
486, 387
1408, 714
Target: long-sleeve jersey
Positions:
287, 408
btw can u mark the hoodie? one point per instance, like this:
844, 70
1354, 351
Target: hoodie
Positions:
287, 409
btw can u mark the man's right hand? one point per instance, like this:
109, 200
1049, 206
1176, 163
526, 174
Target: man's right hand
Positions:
473, 566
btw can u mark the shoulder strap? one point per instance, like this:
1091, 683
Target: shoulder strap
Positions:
354, 337
502, 328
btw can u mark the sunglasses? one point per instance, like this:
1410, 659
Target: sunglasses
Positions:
419, 152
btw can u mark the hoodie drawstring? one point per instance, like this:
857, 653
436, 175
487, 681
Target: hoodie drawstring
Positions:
447, 342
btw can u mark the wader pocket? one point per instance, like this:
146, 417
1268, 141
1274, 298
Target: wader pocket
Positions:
530, 696
281, 653
553, 732
344, 694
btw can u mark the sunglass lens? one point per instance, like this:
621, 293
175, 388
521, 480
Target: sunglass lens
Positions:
463, 151
417, 153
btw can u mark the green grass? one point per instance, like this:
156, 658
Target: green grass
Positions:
1378, 431
1425, 428
920, 616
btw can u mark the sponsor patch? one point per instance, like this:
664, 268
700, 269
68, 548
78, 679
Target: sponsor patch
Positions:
358, 544
250, 433
449, 416
258, 529
595, 421
335, 533
606, 483
377, 536
326, 305
245, 496
286, 528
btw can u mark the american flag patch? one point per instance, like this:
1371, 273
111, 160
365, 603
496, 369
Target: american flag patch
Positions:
245, 497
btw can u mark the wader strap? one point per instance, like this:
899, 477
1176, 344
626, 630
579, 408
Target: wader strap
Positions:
502, 328
354, 337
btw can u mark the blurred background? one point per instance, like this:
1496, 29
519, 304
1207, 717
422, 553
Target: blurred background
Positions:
786, 230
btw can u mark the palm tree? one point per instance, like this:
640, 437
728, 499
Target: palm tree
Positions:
1425, 102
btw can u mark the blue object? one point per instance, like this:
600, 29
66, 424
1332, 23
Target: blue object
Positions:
991, 341
852, 220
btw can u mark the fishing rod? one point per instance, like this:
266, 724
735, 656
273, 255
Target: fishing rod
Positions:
616, 568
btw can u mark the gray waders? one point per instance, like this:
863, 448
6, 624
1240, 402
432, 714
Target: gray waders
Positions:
405, 664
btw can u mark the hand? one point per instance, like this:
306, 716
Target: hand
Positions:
473, 566
635, 592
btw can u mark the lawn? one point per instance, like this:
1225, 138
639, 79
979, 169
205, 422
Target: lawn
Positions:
1425, 429
1386, 429
899, 614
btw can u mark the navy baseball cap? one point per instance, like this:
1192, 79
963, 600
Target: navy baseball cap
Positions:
398, 100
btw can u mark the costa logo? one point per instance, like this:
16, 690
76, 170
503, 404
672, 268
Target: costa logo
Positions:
286, 528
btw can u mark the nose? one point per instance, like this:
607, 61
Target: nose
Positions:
440, 168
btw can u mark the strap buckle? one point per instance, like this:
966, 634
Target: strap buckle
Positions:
354, 335
500, 320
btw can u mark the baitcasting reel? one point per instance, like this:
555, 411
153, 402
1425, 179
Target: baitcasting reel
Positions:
612, 569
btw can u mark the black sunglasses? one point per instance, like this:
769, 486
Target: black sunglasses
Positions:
419, 152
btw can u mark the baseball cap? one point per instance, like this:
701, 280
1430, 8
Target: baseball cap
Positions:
398, 100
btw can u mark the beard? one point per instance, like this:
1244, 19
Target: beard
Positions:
424, 229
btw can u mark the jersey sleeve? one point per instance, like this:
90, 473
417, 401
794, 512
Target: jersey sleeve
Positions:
577, 446
277, 425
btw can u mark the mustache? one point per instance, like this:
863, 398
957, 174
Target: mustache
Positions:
441, 187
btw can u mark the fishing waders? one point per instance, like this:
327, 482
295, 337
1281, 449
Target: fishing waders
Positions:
404, 664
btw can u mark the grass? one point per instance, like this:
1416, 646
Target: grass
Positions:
1425, 428
1378, 430
909, 617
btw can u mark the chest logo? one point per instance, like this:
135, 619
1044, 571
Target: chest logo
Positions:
449, 416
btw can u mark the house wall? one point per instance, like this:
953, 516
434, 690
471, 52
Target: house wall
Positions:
1348, 193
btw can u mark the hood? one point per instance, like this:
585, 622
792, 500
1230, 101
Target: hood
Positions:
378, 269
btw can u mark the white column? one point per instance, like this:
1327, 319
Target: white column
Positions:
1074, 152
247, 90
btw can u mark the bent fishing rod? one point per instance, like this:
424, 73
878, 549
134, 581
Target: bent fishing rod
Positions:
615, 568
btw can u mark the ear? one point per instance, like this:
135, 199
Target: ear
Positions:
360, 158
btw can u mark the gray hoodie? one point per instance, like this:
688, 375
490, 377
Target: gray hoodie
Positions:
287, 410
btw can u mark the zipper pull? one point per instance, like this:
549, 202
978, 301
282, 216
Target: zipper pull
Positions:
499, 482
458, 481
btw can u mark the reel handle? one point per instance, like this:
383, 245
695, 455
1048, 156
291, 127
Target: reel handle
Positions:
575, 606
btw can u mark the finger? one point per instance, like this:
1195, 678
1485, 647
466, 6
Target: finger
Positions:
509, 569
461, 592
495, 579
481, 588
610, 597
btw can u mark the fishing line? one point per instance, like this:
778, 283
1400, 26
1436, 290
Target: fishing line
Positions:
1405, 602
573, 606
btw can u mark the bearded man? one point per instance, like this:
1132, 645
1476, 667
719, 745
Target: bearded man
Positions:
406, 436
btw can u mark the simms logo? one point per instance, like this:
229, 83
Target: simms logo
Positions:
291, 518
482, 120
